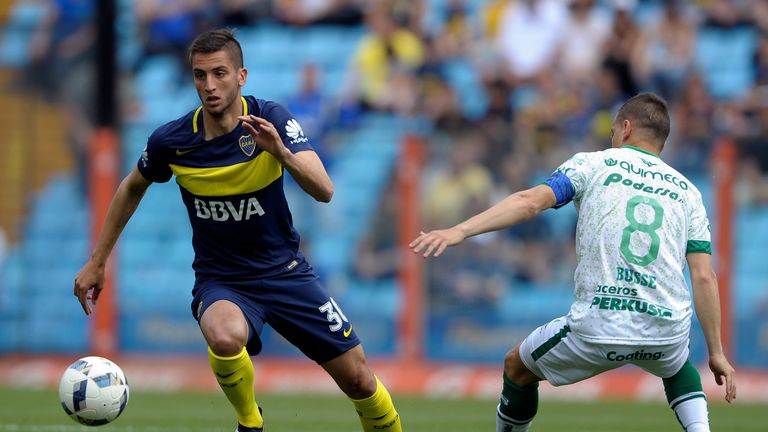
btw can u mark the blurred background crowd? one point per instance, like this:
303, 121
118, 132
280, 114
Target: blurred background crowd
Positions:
501, 91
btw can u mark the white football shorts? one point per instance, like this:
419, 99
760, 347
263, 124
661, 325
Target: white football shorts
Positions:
556, 354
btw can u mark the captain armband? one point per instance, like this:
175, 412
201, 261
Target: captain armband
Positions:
561, 185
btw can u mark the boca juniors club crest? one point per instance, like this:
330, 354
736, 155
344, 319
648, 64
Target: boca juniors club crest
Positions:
247, 145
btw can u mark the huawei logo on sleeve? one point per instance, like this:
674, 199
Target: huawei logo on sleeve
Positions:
295, 132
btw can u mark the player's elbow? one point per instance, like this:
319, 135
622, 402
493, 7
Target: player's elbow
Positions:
531, 210
325, 194
703, 277
529, 207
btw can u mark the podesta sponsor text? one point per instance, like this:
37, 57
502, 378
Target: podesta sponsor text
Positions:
640, 186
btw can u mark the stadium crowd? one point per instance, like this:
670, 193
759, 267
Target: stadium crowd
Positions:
511, 88
551, 75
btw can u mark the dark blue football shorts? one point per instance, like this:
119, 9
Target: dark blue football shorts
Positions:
295, 304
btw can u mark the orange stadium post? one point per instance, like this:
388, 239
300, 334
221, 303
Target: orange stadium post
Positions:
411, 323
103, 171
725, 160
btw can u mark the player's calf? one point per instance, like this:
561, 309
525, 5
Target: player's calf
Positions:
517, 407
519, 400
377, 413
687, 400
235, 376
369, 396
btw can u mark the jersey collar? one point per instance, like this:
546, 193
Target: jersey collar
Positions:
641, 150
196, 123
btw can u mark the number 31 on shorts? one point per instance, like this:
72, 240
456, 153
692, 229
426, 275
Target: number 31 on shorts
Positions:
333, 314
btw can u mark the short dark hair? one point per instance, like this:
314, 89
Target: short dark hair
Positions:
649, 112
217, 40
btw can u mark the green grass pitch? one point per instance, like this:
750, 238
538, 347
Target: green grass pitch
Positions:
39, 411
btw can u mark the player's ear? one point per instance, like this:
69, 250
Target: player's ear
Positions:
243, 75
626, 129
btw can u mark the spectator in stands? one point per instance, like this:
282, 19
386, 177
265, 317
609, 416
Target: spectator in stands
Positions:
584, 36
529, 34
378, 254
525, 247
725, 14
758, 12
499, 109
463, 186
455, 36
383, 60
753, 149
605, 98
497, 123
476, 278
760, 60
666, 49
752, 184
621, 49
547, 112
309, 106
167, 26
62, 46
317, 12
694, 117
440, 104
61, 65
407, 14
438, 100
241, 13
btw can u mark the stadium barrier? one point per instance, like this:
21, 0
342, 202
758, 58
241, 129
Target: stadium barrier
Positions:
171, 373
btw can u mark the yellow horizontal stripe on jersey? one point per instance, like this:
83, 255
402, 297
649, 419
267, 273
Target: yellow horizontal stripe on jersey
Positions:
245, 177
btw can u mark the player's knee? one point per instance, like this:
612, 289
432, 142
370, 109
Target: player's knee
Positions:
515, 369
226, 344
359, 385
510, 363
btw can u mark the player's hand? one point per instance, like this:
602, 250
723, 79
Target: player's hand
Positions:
265, 135
88, 285
723, 371
434, 242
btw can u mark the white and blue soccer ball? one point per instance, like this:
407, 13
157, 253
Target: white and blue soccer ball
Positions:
93, 391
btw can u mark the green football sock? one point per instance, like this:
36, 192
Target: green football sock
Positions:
517, 406
686, 398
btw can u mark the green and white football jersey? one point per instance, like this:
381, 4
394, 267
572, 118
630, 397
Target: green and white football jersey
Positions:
637, 219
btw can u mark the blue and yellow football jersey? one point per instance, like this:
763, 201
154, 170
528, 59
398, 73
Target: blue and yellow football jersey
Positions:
233, 192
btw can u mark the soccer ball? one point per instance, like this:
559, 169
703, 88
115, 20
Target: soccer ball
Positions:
93, 391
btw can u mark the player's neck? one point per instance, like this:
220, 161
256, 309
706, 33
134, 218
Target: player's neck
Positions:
641, 145
222, 124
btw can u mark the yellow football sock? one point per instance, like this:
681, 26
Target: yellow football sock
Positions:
235, 377
377, 413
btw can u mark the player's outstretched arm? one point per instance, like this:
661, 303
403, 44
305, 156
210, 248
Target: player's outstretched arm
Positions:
516, 208
309, 172
707, 302
90, 279
305, 166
